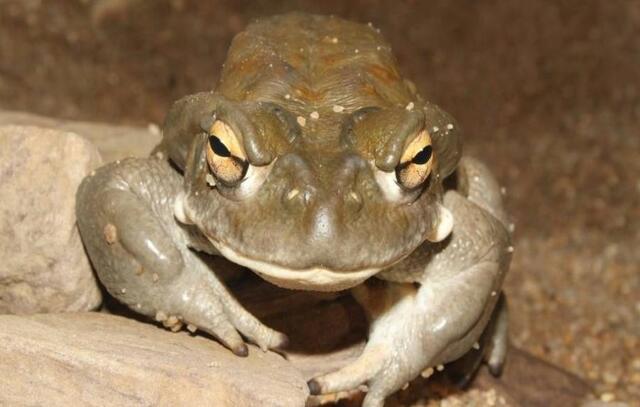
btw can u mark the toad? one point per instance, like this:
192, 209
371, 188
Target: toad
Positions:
316, 165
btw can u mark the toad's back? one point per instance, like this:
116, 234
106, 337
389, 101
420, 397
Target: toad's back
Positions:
313, 63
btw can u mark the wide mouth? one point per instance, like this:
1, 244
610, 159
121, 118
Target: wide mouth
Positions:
314, 278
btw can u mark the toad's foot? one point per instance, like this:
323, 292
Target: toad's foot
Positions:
401, 348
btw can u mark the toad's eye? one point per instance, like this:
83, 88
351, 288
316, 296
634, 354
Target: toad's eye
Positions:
416, 162
225, 155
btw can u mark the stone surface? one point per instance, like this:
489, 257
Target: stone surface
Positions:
44, 267
96, 359
113, 142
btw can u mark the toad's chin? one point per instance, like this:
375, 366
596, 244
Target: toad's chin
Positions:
314, 279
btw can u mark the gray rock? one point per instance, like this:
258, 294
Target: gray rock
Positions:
113, 142
95, 359
44, 267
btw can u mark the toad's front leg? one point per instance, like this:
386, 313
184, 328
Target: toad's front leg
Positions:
142, 256
415, 327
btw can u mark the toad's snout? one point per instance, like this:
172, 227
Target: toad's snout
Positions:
323, 203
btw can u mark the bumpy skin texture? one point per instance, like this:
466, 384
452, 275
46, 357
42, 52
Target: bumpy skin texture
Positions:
323, 116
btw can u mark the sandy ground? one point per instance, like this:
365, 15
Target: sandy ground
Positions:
548, 93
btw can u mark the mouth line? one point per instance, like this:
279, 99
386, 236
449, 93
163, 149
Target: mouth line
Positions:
314, 278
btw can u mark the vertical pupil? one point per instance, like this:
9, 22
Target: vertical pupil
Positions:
218, 147
423, 156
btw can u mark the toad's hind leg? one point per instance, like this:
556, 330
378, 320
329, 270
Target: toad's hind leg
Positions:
141, 254
498, 341
491, 349
479, 185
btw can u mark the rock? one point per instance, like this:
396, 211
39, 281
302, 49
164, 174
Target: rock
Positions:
44, 267
113, 142
97, 359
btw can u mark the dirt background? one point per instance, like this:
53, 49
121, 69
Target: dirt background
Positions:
548, 93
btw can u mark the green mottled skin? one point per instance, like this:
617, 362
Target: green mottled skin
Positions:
320, 108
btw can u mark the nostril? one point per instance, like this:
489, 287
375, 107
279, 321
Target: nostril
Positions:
296, 197
355, 197
292, 193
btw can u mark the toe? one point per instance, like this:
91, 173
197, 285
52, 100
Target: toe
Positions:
225, 332
351, 376
232, 340
258, 333
314, 387
373, 400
